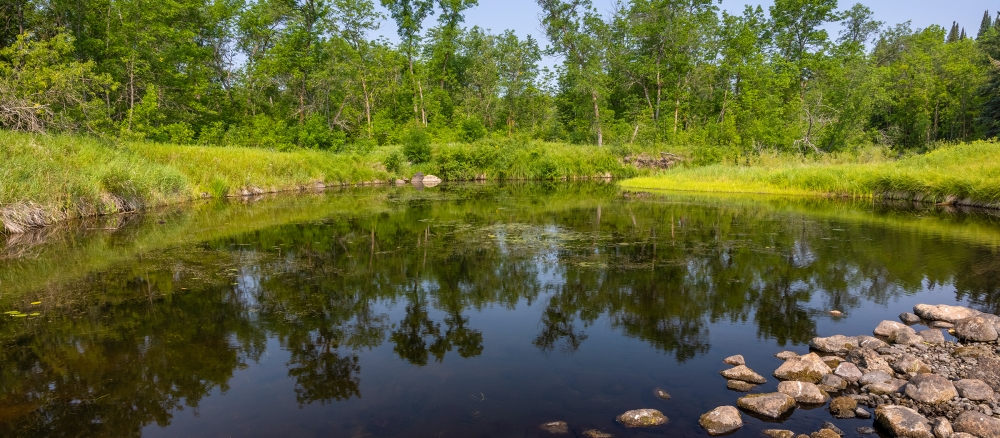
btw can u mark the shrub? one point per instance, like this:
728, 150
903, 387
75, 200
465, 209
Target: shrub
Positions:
393, 162
472, 130
417, 146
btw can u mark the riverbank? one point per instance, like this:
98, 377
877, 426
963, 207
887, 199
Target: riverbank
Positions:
966, 174
45, 179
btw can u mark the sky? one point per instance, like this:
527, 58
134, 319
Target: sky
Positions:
522, 15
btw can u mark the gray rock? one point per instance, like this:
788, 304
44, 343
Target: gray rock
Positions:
431, 181
843, 407
721, 420
772, 405
809, 368
930, 389
932, 336
785, 355
975, 390
942, 325
861, 412
942, 428
903, 422
884, 387
735, 360
779, 433
834, 344
831, 382
661, 393
909, 318
866, 430
874, 377
909, 363
737, 385
907, 336
833, 427
417, 178
888, 328
942, 312
868, 360
977, 424
642, 418
803, 392
744, 374
976, 329
555, 427
848, 371
871, 342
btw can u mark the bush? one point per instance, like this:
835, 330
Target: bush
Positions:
417, 146
393, 163
472, 130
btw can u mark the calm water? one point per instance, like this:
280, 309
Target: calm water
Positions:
458, 311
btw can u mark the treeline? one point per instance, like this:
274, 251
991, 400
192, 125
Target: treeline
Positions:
309, 74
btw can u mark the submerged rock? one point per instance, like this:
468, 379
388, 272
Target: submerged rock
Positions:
834, 344
977, 329
930, 388
661, 393
772, 405
779, 433
744, 374
803, 392
785, 355
903, 422
555, 427
739, 385
735, 360
843, 407
594, 433
809, 368
721, 420
909, 318
642, 418
975, 390
942, 312
977, 424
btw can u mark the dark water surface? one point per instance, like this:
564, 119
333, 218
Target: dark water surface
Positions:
458, 311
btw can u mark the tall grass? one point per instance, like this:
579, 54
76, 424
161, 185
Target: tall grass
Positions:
967, 174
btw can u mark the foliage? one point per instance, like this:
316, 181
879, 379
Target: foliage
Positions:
417, 145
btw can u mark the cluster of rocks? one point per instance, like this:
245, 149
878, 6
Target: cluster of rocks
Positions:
631, 419
919, 384
644, 161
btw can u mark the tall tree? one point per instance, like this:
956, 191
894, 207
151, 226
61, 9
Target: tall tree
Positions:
985, 25
409, 16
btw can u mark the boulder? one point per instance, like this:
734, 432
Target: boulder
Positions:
874, 377
930, 388
721, 420
809, 368
942, 428
785, 355
861, 412
909, 318
804, 392
903, 422
883, 388
942, 312
987, 371
843, 407
741, 386
555, 427
779, 433
824, 433
594, 433
772, 405
978, 424
834, 344
831, 361
909, 363
831, 382
848, 371
975, 390
868, 360
431, 181
932, 336
888, 328
742, 373
976, 329
871, 342
735, 360
865, 430
907, 336
942, 325
642, 418
417, 178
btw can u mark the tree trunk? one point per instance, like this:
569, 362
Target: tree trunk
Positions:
597, 118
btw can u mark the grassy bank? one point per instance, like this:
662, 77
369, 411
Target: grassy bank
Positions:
966, 174
49, 178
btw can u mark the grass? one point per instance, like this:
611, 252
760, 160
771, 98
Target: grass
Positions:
49, 178
964, 174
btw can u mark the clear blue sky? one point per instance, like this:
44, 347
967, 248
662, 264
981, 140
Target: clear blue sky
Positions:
522, 15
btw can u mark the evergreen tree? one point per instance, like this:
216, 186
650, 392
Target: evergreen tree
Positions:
985, 26
953, 34
963, 36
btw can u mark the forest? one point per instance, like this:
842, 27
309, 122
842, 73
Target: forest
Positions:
803, 76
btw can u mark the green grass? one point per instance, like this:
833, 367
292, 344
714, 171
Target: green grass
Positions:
967, 174
48, 178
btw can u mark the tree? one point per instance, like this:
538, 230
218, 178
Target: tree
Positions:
953, 35
409, 16
985, 25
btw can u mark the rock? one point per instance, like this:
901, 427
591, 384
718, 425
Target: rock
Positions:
907, 337
874, 377
721, 420
909, 318
932, 336
866, 430
962, 435
772, 405
831, 361
417, 178
870, 342
868, 360
881, 388
555, 427
843, 407
836, 313
830, 426
861, 412
848, 371
942, 325
779, 433
909, 363
742, 373
642, 418
824, 433
831, 382
809, 368
785, 355
431, 181
943, 312
975, 390
976, 329
930, 388
741, 386
942, 428
735, 360
987, 371
903, 422
977, 424
594, 433
399, 182
834, 344
803, 392
888, 328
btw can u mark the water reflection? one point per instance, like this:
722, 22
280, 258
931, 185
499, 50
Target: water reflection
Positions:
135, 343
